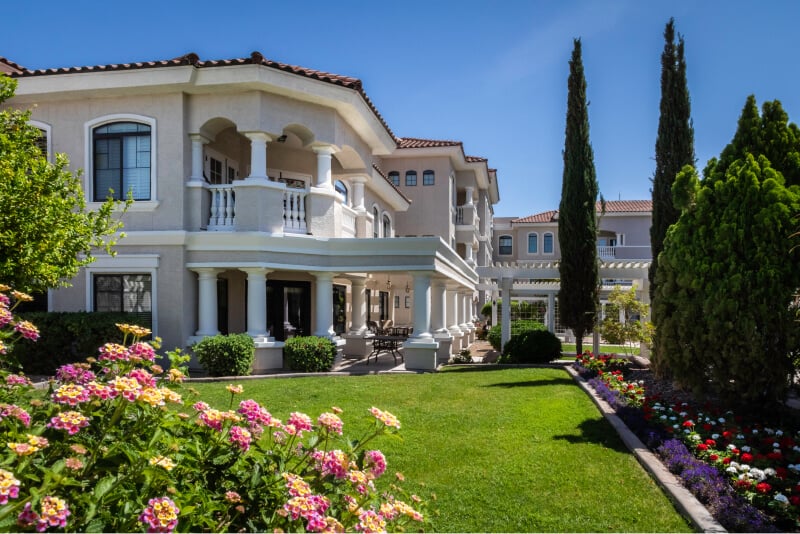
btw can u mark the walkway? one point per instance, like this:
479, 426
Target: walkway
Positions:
482, 352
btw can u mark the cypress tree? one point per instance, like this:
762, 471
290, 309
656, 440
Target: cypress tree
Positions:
577, 217
674, 144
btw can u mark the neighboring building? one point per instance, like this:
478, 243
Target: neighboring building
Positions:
624, 234
269, 199
527, 251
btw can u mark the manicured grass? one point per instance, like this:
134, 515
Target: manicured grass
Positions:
568, 349
503, 450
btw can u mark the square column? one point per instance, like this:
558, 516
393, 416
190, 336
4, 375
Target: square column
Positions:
419, 351
439, 319
452, 320
356, 340
505, 332
257, 303
551, 313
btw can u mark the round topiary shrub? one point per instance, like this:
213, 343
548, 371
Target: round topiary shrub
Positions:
517, 327
531, 346
309, 354
229, 355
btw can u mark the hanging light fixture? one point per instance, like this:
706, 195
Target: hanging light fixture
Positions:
407, 288
388, 284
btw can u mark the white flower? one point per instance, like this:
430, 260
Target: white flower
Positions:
731, 446
796, 448
770, 472
745, 448
683, 414
779, 433
731, 470
757, 474
676, 427
721, 419
776, 446
794, 467
755, 431
744, 467
663, 417
769, 431
714, 436
739, 436
781, 498
735, 465
673, 418
687, 431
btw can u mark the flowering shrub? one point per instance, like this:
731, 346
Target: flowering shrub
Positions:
113, 445
727, 463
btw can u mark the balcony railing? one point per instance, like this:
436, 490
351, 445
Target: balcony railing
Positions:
348, 222
467, 214
294, 212
624, 252
222, 207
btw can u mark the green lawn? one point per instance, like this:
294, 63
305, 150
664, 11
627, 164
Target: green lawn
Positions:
503, 450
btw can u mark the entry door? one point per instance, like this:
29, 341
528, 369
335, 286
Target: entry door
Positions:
339, 308
288, 308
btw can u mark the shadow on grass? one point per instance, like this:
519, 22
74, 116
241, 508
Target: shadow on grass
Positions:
533, 383
597, 431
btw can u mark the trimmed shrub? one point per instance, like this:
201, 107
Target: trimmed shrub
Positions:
309, 354
531, 346
226, 355
517, 327
67, 337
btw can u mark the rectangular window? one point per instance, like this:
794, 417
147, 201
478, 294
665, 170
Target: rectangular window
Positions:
547, 244
131, 293
428, 178
41, 142
411, 178
506, 245
214, 171
122, 161
394, 177
533, 243
397, 301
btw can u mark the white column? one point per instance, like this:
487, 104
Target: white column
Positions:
505, 331
469, 196
358, 315
465, 303
469, 259
258, 155
422, 306
494, 307
551, 312
358, 192
257, 301
324, 166
323, 307
197, 157
207, 301
452, 312
438, 306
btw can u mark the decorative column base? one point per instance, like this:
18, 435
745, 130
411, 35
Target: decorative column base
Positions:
445, 341
269, 356
356, 345
420, 354
458, 336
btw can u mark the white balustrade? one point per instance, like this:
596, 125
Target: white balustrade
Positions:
223, 207
294, 211
348, 222
460, 215
605, 252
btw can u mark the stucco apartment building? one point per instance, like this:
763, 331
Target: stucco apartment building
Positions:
270, 199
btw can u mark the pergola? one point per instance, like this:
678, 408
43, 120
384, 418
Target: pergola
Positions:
529, 279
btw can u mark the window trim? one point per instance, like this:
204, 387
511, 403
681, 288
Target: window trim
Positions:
425, 174
392, 175
125, 264
346, 195
386, 215
88, 135
500, 246
531, 234
408, 175
48, 132
376, 227
552, 243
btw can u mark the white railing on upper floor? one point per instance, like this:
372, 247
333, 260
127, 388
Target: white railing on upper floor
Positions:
222, 207
294, 211
624, 252
348, 222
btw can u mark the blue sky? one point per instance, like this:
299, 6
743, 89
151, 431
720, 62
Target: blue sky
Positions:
491, 74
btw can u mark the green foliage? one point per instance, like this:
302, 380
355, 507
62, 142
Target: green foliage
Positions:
628, 331
726, 280
531, 346
517, 327
226, 355
46, 232
577, 217
486, 310
465, 356
674, 144
67, 338
309, 354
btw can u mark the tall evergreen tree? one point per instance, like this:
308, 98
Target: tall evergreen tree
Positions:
577, 214
674, 145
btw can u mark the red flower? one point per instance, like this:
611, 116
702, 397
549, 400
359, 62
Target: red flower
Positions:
727, 434
688, 423
702, 447
726, 460
713, 457
711, 443
781, 473
743, 484
707, 427
747, 457
795, 500
763, 487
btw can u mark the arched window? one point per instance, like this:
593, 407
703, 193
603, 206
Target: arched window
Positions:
428, 178
394, 177
547, 243
506, 247
342, 190
376, 217
411, 177
533, 243
121, 160
387, 225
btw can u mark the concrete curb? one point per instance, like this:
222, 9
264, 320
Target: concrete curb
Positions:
684, 501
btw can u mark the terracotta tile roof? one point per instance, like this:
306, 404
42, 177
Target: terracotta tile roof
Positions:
612, 206
9, 67
256, 58
475, 159
414, 142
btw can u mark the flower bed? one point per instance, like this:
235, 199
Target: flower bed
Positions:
747, 475
115, 444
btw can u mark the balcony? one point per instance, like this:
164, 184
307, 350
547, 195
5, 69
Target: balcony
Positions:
612, 253
222, 213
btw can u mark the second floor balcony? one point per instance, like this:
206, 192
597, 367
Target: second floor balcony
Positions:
611, 253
